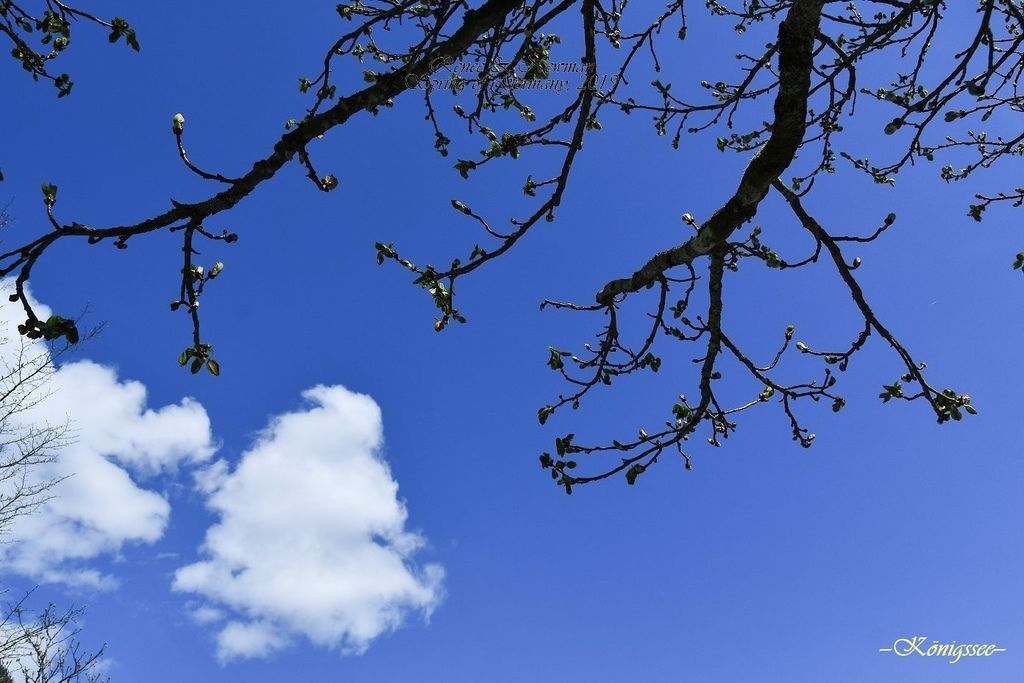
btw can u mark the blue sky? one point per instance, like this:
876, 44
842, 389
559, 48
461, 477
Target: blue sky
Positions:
767, 562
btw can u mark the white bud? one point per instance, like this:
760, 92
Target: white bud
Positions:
177, 124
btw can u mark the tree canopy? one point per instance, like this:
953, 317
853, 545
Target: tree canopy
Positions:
934, 88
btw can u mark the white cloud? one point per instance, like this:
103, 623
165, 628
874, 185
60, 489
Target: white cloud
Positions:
311, 539
210, 478
114, 439
204, 614
112, 418
248, 639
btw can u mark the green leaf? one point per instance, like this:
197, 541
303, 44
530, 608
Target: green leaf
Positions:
464, 166
197, 365
214, 367
49, 193
680, 411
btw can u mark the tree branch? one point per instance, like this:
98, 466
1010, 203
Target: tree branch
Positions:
796, 44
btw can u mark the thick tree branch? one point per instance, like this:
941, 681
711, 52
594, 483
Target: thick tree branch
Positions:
21, 261
796, 45
387, 86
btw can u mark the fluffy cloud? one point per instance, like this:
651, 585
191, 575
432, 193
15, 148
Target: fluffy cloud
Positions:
312, 537
112, 440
